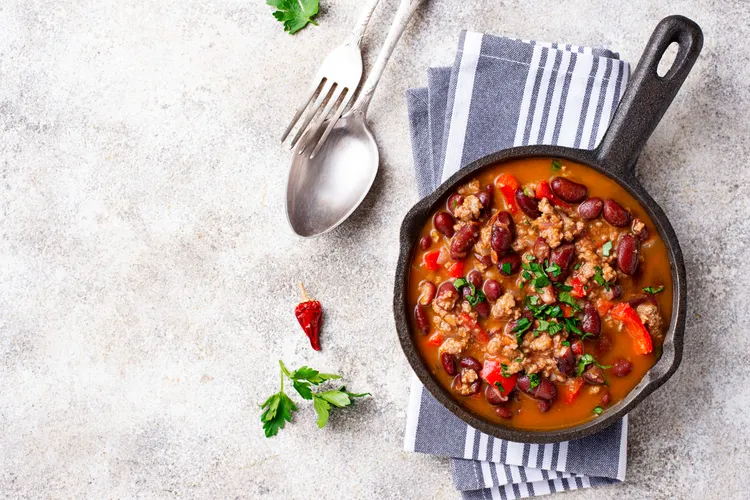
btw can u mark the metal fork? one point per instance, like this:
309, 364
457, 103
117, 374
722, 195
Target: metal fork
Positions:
337, 81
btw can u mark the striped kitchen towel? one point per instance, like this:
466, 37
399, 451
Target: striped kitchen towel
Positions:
504, 92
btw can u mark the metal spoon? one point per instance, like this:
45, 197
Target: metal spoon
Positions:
323, 190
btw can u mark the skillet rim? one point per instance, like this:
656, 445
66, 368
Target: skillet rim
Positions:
674, 338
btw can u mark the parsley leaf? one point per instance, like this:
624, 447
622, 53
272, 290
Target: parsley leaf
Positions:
566, 343
607, 248
599, 278
534, 380
460, 282
476, 298
279, 407
295, 14
567, 298
598, 410
577, 266
586, 360
652, 290
556, 165
506, 267
522, 325
500, 387
504, 370
554, 270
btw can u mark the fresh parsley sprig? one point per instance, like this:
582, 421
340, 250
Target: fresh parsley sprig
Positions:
586, 360
295, 14
279, 407
652, 290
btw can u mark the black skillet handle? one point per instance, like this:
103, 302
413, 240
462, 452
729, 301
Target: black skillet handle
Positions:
648, 95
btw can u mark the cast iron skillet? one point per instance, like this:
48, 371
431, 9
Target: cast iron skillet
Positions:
645, 101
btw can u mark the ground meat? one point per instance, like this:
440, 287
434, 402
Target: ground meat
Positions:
550, 224
503, 308
590, 258
541, 343
547, 294
649, 314
482, 247
503, 345
638, 226
471, 209
470, 187
453, 346
468, 377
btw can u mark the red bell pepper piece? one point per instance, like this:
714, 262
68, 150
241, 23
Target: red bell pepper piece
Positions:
573, 388
492, 373
431, 260
475, 328
603, 306
507, 184
457, 270
577, 347
567, 310
308, 313
578, 289
634, 326
543, 190
435, 339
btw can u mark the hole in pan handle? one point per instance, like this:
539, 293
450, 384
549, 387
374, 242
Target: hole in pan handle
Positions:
648, 95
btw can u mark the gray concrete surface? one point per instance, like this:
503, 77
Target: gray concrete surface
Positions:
148, 277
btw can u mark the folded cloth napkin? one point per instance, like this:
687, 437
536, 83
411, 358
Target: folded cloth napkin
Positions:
499, 93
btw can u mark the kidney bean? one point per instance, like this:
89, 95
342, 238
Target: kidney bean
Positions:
485, 198
425, 243
475, 278
446, 287
513, 259
566, 362
545, 390
606, 398
492, 290
615, 214
486, 260
463, 240
473, 388
543, 406
593, 375
528, 204
563, 257
500, 239
541, 250
471, 363
423, 322
504, 218
483, 309
614, 292
449, 363
634, 303
627, 254
494, 396
503, 411
569, 191
427, 292
444, 222
591, 208
591, 322
603, 345
622, 367
454, 201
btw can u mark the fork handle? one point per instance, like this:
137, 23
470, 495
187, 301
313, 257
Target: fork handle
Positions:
364, 19
405, 10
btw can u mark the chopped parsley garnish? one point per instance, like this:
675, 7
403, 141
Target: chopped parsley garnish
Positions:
523, 325
607, 248
600, 279
563, 287
586, 360
567, 298
541, 282
571, 324
526, 275
554, 270
556, 165
534, 380
500, 386
504, 370
566, 343
577, 266
476, 296
652, 290
506, 267
598, 410
530, 257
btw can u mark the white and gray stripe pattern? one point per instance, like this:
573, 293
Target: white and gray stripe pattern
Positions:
504, 92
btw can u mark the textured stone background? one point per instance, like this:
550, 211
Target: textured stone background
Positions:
148, 276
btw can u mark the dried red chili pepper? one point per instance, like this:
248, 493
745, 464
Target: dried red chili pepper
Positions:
309, 313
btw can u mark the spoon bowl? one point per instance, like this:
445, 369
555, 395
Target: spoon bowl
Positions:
323, 191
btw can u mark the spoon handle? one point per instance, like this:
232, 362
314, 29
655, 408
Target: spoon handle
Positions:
359, 29
405, 10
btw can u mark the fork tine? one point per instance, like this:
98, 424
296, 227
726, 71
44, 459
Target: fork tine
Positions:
313, 90
333, 120
318, 124
313, 110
